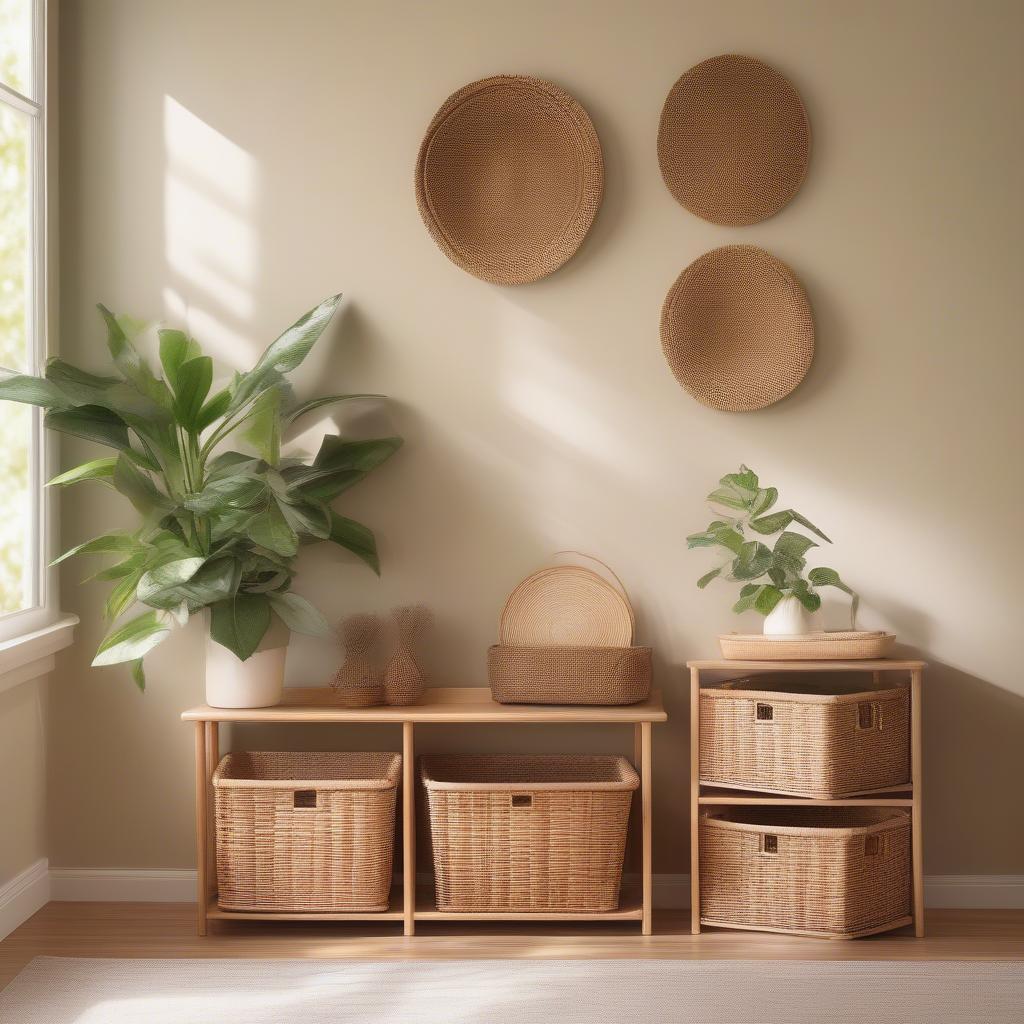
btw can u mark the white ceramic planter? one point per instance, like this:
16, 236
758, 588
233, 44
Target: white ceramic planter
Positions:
257, 682
788, 618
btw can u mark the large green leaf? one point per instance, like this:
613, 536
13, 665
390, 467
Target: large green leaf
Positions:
130, 363
780, 520
822, 576
339, 465
708, 577
793, 545
311, 518
263, 426
240, 622
93, 423
139, 489
298, 614
74, 381
194, 378
765, 499
752, 561
176, 348
355, 537
33, 391
116, 541
97, 469
270, 530
802, 592
166, 577
228, 493
213, 410
216, 581
319, 403
132, 640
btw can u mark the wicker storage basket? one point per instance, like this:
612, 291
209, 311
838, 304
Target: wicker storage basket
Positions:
785, 738
837, 872
528, 832
569, 675
305, 832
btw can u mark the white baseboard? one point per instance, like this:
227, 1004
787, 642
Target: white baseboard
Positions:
114, 885
23, 895
671, 892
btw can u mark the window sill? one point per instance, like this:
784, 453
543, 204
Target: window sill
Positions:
26, 657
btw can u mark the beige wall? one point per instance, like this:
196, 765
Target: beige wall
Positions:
23, 769
228, 164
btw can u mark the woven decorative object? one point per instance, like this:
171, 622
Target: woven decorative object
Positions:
528, 832
566, 606
403, 677
569, 675
358, 683
835, 872
791, 739
509, 178
308, 832
837, 646
734, 141
737, 330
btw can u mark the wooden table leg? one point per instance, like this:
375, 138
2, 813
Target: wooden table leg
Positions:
202, 824
917, 836
212, 760
408, 830
694, 801
646, 815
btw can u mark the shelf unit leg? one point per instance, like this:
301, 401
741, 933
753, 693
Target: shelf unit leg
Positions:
202, 826
408, 830
212, 760
694, 801
646, 816
917, 836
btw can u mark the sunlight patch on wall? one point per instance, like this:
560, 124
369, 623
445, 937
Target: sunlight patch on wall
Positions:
211, 190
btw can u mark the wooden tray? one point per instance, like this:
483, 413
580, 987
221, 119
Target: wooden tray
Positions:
839, 646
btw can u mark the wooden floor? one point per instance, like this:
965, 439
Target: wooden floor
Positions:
168, 930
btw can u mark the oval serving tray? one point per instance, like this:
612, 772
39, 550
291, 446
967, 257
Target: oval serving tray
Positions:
838, 646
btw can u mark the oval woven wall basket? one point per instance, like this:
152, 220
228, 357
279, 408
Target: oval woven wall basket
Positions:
734, 140
509, 178
737, 329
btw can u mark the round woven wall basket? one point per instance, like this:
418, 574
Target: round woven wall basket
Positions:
509, 178
566, 606
737, 330
734, 140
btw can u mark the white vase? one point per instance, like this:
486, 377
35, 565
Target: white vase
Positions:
788, 618
257, 682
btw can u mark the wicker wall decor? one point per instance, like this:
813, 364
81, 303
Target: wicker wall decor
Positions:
509, 178
566, 606
734, 140
737, 329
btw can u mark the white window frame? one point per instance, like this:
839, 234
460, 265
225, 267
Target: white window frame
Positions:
28, 638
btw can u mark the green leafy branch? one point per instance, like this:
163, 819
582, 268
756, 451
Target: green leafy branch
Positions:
220, 528
744, 509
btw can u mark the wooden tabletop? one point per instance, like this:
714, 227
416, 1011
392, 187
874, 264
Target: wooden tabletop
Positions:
441, 704
867, 665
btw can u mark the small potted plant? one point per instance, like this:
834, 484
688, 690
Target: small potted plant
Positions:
220, 528
771, 572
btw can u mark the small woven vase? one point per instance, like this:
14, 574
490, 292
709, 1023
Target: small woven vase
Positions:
357, 683
403, 677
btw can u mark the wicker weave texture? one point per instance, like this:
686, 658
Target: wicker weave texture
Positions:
839, 646
811, 745
737, 329
836, 871
509, 178
528, 832
303, 832
569, 675
734, 140
566, 606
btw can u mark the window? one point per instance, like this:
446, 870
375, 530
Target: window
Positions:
22, 305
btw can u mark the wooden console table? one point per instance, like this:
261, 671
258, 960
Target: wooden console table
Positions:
454, 705
907, 796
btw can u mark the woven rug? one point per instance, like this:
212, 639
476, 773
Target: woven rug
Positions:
94, 991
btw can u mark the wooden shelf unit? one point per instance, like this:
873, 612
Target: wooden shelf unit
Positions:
909, 796
447, 705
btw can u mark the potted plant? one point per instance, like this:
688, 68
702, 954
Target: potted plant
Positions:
771, 572
220, 528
